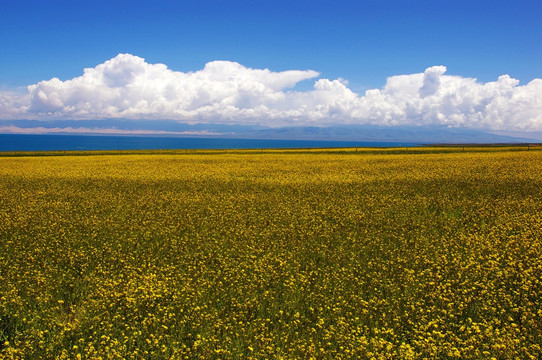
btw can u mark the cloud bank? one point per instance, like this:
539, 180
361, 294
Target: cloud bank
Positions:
227, 92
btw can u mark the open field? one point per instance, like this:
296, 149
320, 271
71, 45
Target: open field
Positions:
355, 253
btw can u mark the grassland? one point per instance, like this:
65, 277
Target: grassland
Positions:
338, 254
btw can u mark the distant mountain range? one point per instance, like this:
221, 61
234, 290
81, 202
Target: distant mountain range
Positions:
362, 133
408, 134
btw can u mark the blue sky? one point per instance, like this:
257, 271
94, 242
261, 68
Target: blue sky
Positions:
362, 42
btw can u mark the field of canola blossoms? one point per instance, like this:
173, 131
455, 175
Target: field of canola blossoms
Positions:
348, 254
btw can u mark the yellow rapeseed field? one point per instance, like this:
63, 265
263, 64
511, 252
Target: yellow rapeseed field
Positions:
340, 254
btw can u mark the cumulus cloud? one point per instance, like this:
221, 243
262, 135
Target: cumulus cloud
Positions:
13, 106
227, 92
128, 87
431, 80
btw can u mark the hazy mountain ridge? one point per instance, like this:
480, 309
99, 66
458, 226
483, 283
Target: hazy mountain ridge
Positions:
393, 134
369, 133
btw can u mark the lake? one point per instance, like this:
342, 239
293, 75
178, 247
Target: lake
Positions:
24, 142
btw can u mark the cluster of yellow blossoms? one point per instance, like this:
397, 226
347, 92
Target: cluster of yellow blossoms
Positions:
344, 254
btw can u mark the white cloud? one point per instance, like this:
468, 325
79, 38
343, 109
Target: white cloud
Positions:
431, 80
128, 87
223, 91
13, 106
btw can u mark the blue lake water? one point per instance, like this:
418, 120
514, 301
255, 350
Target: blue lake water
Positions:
19, 142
